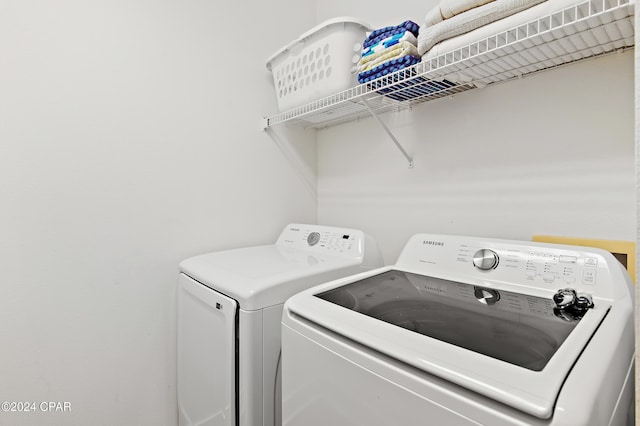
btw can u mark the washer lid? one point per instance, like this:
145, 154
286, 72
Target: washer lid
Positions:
508, 346
519, 329
263, 276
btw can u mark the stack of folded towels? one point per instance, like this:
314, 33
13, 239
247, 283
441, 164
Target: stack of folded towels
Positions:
451, 18
387, 50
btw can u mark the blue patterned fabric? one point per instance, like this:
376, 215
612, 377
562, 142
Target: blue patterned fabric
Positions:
388, 42
381, 45
386, 32
387, 68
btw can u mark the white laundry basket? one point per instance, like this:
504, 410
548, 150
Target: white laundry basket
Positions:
318, 63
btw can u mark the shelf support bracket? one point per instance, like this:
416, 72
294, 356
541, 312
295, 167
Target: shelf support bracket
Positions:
386, 129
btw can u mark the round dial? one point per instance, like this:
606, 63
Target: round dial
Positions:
485, 259
313, 238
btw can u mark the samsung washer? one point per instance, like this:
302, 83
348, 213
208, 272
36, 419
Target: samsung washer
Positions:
465, 331
229, 311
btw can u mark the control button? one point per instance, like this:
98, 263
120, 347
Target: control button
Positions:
589, 277
485, 259
584, 302
549, 277
570, 280
568, 259
590, 261
313, 238
531, 273
565, 297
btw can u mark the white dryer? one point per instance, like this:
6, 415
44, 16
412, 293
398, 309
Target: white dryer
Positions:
465, 331
229, 312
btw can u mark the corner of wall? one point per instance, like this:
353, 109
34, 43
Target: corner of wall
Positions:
637, 153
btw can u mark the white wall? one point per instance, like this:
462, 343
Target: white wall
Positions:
376, 13
130, 139
547, 154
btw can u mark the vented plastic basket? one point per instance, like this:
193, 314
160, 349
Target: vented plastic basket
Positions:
318, 63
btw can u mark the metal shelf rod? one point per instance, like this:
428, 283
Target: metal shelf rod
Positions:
386, 129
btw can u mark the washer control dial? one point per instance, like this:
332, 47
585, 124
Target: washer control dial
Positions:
485, 259
313, 238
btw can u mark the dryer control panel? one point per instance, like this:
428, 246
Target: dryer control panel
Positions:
343, 242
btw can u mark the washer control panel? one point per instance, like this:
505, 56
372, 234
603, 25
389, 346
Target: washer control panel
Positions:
325, 239
541, 265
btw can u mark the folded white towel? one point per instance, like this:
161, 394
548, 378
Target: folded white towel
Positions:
433, 17
470, 20
451, 8
396, 51
533, 13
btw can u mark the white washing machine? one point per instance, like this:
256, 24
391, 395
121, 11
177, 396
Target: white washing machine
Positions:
229, 312
465, 331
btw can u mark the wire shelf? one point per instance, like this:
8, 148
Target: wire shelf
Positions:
584, 30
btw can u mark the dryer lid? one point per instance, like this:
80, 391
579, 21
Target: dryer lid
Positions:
515, 351
263, 276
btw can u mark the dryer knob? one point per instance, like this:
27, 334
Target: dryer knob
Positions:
313, 238
485, 259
